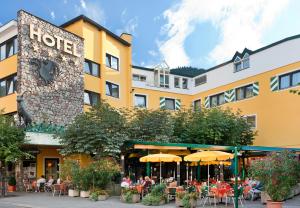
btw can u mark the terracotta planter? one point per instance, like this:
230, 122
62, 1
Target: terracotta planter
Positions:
135, 198
73, 193
102, 197
11, 188
271, 204
84, 194
178, 202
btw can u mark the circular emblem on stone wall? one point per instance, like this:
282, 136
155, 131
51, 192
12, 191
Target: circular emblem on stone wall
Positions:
46, 69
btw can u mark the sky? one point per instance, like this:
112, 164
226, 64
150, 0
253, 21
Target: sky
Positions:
198, 33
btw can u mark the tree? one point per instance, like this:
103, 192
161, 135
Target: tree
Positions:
151, 125
101, 132
11, 140
214, 126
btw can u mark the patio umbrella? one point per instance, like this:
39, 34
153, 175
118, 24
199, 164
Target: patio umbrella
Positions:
225, 163
160, 158
208, 156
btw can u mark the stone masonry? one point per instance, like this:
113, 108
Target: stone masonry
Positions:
59, 101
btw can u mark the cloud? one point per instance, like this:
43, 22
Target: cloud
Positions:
129, 26
92, 10
239, 24
152, 53
52, 15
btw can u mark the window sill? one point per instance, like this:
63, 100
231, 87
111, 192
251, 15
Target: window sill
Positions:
8, 57
112, 96
288, 88
92, 75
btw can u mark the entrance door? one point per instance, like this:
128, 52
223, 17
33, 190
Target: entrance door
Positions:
51, 167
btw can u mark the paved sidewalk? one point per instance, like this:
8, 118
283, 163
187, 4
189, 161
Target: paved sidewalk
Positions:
45, 200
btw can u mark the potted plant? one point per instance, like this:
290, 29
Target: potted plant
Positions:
11, 184
189, 200
179, 197
157, 196
130, 195
86, 181
98, 195
279, 173
70, 171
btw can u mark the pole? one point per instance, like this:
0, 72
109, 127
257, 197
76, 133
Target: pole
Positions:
159, 172
187, 173
178, 173
198, 171
148, 169
236, 194
208, 176
122, 166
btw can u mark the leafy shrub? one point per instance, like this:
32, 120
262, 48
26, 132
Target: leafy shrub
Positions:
97, 192
12, 181
128, 193
94, 196
157, 195
278, 172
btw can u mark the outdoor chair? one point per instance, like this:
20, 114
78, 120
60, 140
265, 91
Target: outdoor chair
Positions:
207, 196
171, 193
230, 196
42, 187
57, 188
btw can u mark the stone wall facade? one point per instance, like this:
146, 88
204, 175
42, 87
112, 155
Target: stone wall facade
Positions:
50, 74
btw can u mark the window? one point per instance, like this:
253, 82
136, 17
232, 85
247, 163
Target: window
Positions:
244, 92
164, 79
137, 77
91, 68
8, 85
251, 120
237, 64
112, 90
246, 61
289, 80
216, 100
170, 104
177, 82
200, 80
112, 62
197, 105
8, 48
184, 83
140, 101
91, 98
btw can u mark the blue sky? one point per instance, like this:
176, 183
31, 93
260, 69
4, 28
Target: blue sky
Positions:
200, 33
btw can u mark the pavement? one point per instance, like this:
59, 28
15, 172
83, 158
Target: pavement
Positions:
46, 200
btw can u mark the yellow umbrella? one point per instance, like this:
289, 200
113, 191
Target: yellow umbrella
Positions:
225, 163
208, 156
160, 158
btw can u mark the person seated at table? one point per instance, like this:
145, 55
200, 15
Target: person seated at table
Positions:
141, 180
147, 184
48, 185
124, 183
26, 183
40, 182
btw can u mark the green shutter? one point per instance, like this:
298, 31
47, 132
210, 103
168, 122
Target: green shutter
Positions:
230, 95
177, 104
206, 102
255, 88
162, 102
274, 83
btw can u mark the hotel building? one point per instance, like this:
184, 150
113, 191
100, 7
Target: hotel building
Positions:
49, 74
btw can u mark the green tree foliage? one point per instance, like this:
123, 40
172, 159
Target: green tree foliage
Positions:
279, 173
151, 125
213, 126
11, 140
101, 131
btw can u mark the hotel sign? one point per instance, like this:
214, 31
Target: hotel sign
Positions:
54, 41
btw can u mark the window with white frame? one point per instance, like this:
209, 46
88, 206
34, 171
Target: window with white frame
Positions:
244, 92
241, 63
176, 82
8, 48
138, 77
8, 85
140, 100
200, 80
184, 83
197, 105
289, 80
164, 79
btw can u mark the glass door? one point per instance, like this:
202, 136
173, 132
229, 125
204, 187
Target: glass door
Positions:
51, 167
